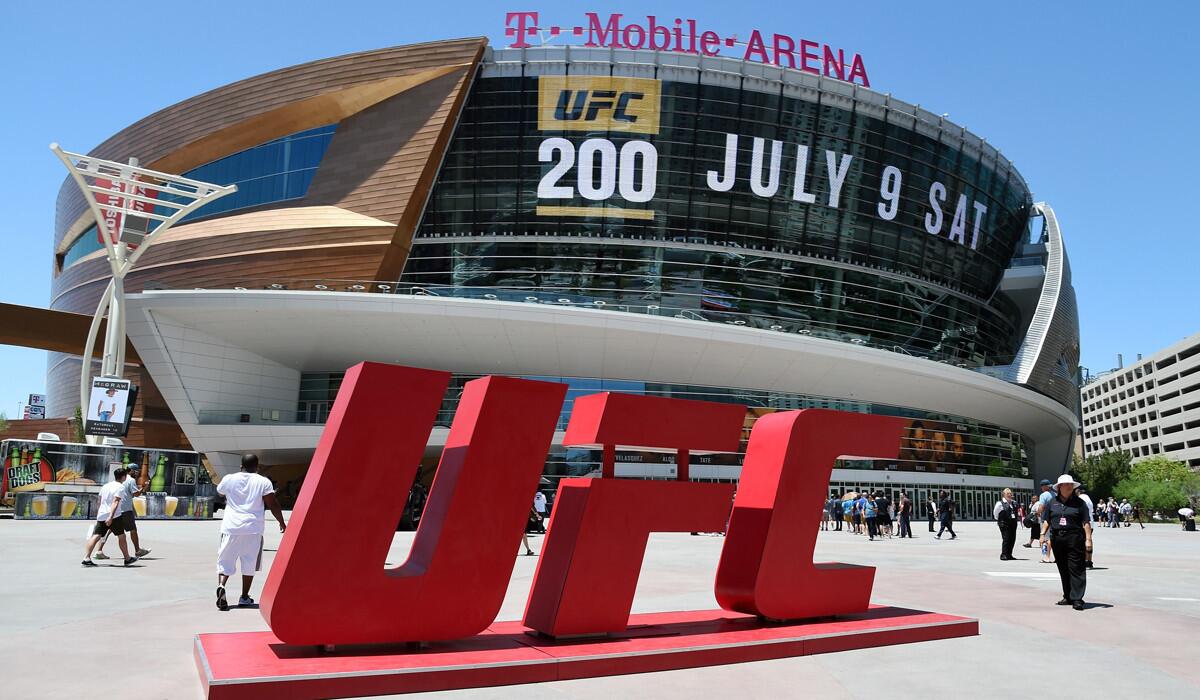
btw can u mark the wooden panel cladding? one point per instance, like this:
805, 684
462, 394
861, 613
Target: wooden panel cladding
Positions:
274, 229
327, 108
422, 184
377, 157
56, 331
171, 132
195, 254
354, 261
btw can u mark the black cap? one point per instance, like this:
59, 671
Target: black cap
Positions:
1047, 482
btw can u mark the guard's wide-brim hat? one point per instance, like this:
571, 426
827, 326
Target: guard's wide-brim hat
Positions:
1066, 479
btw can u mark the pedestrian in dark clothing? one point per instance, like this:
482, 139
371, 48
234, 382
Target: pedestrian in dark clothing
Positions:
931, 510
1067, 517
946, 514
1005, 514
1031, 521
870, 514
883, 516
838, 513
906, 507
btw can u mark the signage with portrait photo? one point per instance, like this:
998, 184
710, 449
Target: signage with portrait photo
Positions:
109, 407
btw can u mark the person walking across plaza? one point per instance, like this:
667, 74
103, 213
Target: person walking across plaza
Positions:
906, 509
1005, 515
1043, 504
247, 496
128, 519
946, 515
871, 515
108, 518
530, 524
883, 515
539, 504
1067, 518
1083, 496
1137, 514
1030, 519
837, 513
857, 517
931, 509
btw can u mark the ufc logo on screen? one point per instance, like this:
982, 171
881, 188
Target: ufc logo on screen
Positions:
583, 108
328, 584
598, 103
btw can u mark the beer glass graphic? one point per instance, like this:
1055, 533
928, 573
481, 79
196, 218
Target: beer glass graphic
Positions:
139, 506
67, 508
41, 504
172, 504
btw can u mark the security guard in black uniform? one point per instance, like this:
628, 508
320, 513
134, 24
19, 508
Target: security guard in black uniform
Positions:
1067, 516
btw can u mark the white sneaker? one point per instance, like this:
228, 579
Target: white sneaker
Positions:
142, 552
99, 555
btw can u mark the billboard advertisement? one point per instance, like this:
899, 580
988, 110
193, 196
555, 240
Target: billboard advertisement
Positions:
110, 407
37, 473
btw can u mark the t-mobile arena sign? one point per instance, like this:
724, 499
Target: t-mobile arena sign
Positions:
685, 36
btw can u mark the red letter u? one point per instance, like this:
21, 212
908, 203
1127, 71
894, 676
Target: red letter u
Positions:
328, 584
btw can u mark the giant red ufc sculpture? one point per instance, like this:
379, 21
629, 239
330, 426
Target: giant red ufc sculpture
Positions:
329, 586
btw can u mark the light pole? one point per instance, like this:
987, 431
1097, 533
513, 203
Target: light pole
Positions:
125, 199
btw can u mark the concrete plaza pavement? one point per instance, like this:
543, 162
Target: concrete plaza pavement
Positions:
66, 631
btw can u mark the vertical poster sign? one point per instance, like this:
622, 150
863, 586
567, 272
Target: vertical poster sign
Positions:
109, 405
113, 207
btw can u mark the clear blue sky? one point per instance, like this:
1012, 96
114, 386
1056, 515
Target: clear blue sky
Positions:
1095, 102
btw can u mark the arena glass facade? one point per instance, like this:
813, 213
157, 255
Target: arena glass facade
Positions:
843, 272
673, 187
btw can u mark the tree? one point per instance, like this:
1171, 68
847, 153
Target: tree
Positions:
1162, 496
997, 467
1159, 483
77, 425
3, 422
1160, 468
1101, 473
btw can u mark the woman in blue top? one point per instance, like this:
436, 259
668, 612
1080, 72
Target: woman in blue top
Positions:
870, 513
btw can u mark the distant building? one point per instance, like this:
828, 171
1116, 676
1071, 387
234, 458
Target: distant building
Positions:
1149, 408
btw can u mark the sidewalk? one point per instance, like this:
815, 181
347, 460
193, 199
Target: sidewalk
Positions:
56, 616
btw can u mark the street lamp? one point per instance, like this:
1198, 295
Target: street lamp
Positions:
125, 199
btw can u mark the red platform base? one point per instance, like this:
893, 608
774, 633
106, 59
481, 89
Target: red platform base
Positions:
257, 665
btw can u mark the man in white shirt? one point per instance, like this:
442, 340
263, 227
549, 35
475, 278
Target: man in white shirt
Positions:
128, 521
539, 504
113, 501
247, 496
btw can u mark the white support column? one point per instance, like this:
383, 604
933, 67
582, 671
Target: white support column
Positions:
116, 194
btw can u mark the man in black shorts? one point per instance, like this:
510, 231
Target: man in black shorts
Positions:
108, 517
128, 518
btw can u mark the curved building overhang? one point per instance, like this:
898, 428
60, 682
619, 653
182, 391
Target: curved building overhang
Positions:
1048, 357
284, 333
